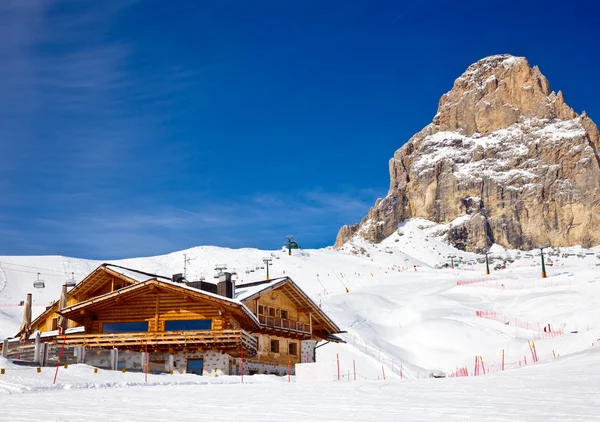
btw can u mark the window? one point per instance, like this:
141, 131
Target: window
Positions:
274, 346
125, 327
284, 314
261, 310
189, 325
271, 311
54, 324
293, 349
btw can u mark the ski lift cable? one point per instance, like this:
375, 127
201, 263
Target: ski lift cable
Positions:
14, 270
31, 266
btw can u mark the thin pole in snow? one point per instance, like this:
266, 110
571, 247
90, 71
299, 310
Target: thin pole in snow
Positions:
242, 363
62, 348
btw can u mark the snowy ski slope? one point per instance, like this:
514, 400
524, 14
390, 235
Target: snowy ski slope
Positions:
392, 313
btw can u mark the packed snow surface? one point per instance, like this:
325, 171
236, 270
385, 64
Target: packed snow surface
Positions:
404, 316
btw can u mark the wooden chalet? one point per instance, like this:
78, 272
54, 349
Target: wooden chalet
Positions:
196, 327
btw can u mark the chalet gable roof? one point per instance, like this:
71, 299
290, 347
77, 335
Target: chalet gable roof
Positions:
132, 290
250, 291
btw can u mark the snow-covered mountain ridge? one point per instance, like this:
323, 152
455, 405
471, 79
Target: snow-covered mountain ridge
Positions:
505, 151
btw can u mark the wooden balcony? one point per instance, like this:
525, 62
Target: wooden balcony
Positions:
284, 324
230, 340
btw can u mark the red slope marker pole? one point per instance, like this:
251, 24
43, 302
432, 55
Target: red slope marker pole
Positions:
289, 373
354, 365
482, 365
503, 359
62, 348
337, 356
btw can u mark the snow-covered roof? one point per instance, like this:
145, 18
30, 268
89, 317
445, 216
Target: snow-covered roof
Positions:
135, 274
244, 291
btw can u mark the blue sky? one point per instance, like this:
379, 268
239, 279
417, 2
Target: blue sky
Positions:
132, 128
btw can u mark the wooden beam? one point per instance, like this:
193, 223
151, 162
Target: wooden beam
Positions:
157, 313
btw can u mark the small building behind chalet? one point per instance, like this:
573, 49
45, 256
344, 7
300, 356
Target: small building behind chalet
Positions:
123, 318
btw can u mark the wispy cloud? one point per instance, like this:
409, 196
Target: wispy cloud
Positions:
256, 221
67, 84
79, 120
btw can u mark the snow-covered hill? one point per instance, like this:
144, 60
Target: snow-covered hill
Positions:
392, 298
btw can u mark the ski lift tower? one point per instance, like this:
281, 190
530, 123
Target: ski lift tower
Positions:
543, 264
452, 260
268, 260
290, 243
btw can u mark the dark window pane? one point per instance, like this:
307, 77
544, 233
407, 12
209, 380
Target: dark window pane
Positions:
189, 324
124, 327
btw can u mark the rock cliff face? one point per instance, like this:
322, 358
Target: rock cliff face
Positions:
504, 150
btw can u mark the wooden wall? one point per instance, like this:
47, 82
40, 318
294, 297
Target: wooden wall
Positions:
277, 299
158, 308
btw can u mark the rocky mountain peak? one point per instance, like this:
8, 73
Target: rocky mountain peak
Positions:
494, 93
507, 152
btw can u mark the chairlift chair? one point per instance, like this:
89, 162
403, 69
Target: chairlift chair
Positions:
39, 284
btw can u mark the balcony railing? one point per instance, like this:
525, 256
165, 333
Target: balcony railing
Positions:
283, 323
226, 339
